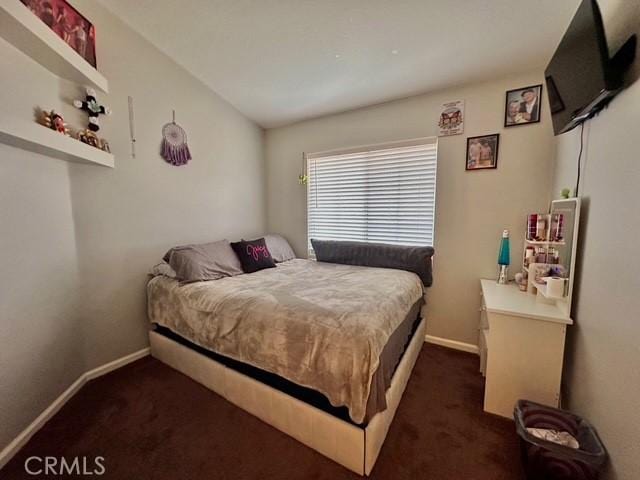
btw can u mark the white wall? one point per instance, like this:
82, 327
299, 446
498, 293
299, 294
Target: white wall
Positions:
77, 240
41, 335
41, 331
472, 208
602, 371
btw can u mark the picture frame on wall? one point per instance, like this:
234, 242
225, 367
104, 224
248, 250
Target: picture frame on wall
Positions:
482, 152
451, 121
69, 24
523, 106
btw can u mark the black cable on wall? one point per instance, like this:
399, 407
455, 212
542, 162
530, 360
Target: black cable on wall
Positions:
580, 157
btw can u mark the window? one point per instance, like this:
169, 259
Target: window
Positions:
382, 193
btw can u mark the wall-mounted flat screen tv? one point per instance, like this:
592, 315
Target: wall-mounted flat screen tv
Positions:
581, 78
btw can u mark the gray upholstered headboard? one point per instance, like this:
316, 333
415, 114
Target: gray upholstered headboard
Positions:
409, 258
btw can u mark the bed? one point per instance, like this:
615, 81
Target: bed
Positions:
321, 351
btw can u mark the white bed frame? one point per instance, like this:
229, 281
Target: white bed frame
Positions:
355, 448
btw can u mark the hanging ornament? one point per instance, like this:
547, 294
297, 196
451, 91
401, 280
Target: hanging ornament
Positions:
93, 108
174, 148
303, 178
132, 128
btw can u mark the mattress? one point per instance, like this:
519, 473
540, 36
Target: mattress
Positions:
321, 326
389, 361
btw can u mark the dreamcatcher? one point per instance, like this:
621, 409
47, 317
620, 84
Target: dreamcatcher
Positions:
174, 147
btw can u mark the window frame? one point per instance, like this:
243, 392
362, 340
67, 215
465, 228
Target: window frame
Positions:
309, 164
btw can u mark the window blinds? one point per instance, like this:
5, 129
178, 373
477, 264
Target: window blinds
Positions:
384, 193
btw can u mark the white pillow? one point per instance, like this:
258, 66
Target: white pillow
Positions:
163, 268
279, 248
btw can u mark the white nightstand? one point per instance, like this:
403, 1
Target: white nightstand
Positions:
521, 348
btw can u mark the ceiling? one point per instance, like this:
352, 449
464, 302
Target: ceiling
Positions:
281, 61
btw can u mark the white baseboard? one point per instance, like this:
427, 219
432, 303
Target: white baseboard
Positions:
445, 342
117, 363
23, 437
17, 443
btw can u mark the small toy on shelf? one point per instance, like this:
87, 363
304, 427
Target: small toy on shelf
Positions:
93, 108
55, 122
521, 281
89, 137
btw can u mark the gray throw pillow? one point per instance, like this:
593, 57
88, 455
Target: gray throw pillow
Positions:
207, 261
279, 248
400, 257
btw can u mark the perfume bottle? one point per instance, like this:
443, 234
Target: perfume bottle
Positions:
504, 259
541, 228
559, 227
532, 226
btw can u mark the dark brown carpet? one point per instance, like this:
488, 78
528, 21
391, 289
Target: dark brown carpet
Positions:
151, 422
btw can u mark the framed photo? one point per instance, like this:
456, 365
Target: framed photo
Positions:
451, 121
482, 152
522, 106
68, 24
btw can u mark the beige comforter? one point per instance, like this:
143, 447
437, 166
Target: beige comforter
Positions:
320, 325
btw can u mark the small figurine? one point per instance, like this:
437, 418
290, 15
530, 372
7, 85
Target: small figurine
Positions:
521, 281
93, 109
89, 137
55, 122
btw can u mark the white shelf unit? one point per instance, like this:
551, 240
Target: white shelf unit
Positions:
20, 27
40, 139
565, 250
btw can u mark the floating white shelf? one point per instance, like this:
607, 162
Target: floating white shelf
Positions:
20, 27
40, 139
